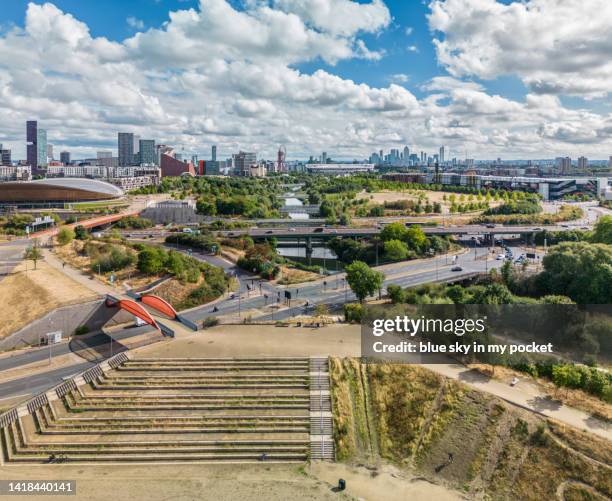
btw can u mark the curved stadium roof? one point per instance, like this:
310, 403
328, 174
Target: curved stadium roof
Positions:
58, 190
80, 183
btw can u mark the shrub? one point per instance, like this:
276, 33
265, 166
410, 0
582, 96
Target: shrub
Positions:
80, 330
80, 233
210, 322
396, 293
65, 236
353, 313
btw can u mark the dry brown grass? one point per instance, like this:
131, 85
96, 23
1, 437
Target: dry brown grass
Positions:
291, 276
26, 297
176, 292
588, 444
499, 451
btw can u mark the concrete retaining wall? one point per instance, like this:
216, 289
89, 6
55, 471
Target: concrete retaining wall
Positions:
93, 314
178, 215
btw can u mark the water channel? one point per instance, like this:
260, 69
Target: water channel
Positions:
321, 255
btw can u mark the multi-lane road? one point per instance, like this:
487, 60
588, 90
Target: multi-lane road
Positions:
325, 232
333, 291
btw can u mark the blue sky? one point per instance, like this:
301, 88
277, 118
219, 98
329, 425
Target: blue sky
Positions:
490, 77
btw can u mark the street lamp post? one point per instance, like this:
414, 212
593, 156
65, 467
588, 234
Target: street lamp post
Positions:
432, 252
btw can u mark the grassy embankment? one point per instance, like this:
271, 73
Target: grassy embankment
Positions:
28, 295
414, 418
181, 292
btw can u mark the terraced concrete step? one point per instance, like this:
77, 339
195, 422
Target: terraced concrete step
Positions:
125, 430
192, 406
161, 444
154, 414
291, 369
174, 418
117, 377
322, 450
255, 457
91, 392
211, 386
266, 360
201, 395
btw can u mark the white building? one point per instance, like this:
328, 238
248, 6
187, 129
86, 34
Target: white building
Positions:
339, 169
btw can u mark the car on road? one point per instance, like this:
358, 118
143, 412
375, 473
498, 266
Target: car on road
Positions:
456, 268
499, 257
318, 230
491, 225
269, 232
292, 229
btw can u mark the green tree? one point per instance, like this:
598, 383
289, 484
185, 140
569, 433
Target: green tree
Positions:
65, 235
363, 280
415, 238
602, 233
506, 272
566, 375
493, 294
579, 270
151, 260
396, 293
345, 219
395, 250
457, 294
206, 207
33, 254
394, 231
80, 232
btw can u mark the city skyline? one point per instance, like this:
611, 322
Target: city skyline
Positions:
254, 75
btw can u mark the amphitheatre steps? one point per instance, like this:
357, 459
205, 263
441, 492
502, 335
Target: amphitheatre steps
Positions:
182, 410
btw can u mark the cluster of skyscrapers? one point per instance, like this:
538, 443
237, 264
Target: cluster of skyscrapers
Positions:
399, 158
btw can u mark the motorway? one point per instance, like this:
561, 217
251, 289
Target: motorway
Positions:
324, 232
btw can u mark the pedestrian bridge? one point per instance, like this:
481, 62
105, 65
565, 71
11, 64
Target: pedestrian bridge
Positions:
133, 308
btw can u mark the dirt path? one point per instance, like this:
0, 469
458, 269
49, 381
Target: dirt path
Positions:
568, 483
385, 482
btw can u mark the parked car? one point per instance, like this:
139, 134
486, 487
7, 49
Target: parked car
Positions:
499, 257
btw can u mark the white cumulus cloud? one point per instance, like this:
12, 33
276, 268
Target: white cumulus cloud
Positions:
554, 46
